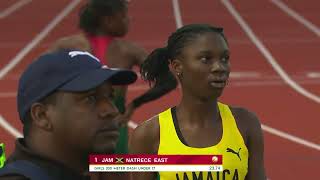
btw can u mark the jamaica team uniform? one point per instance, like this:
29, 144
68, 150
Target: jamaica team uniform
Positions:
231, 146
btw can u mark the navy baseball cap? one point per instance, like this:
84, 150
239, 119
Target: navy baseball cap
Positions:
66, 70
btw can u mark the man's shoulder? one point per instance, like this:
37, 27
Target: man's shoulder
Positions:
13, 177
22, 169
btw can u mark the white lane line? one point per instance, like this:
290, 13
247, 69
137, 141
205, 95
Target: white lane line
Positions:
247, 81
273, 131
177, 13
13, 8
291, 137
312, 27
233, 75
268, 56
313, 74
8, 94
132, 124
27, 49
12, 63
264, 127
240, 75
13, 131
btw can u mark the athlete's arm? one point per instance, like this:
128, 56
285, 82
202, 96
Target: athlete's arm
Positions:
145, 140
125, 54
138, 53
161, 88
255, 145
71, 42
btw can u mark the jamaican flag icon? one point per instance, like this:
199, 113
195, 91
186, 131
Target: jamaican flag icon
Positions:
2, 155
119, 160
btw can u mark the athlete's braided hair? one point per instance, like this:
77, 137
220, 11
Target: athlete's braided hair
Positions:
155, 68
91, 13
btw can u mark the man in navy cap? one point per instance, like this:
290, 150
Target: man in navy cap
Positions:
65, 105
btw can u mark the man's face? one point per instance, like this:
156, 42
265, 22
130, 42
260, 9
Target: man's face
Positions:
86, 121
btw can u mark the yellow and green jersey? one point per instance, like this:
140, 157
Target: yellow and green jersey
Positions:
231, 146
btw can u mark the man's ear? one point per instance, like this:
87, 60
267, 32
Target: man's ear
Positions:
177, 66
39, 114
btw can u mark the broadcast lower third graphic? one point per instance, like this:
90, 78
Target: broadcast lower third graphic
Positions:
154, 163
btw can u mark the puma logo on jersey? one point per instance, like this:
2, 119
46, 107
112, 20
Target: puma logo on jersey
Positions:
77, 53
234, 152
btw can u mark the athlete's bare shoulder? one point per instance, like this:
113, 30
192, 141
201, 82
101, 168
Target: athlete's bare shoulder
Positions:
247, 121
125, 45
255, 141
145, 138
134, 53
78, 41
244, 115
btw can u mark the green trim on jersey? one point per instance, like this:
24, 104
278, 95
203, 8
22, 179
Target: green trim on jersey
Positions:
122, 145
